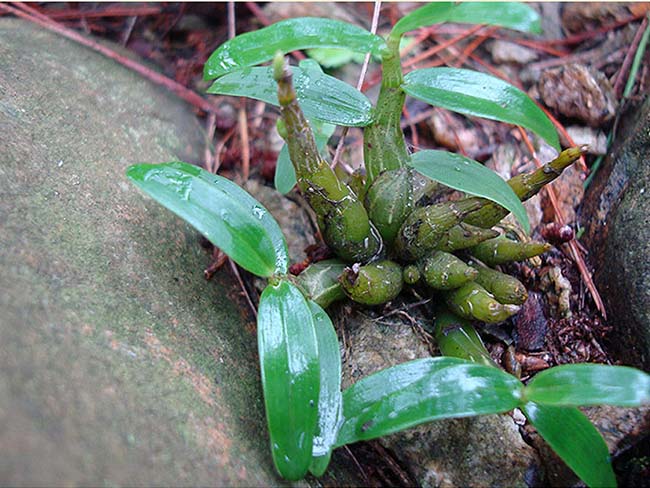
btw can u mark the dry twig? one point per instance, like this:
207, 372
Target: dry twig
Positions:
28, 13
573, 247
362, 75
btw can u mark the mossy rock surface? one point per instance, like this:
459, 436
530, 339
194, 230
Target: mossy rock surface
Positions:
616, 214
119, 363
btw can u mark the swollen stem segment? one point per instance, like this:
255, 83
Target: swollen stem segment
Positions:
342, 218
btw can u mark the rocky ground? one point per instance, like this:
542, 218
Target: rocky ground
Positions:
120, 364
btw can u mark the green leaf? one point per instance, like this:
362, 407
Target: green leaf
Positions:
568, 431
513, 15
259, 46
334, 57
590, 384
458, 338
220, 210
285, 174
330, 400
320, 281
321, 97
469, 176
421, 391
289, 362
473, 93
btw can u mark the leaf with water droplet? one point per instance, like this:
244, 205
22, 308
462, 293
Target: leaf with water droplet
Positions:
469, 176
423, 390
220, 210
321, 97
590, 384
513, 15
574, 438
330, 400
289, 35
478, 94
290, 365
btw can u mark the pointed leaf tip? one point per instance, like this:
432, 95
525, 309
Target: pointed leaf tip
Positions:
223, 212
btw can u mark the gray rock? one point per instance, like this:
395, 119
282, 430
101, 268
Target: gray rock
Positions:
616, 216
480, 451
119, 363
511, 52
372, 342
621, 428
477, 451
596, 140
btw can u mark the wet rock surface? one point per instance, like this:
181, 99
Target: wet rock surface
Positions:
616, 214
480, 451
119, 363
624, 429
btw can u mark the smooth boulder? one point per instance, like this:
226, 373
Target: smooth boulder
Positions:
616, 214
119, 363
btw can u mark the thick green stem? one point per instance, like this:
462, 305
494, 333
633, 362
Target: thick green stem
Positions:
525, 186
384, 145
342, 218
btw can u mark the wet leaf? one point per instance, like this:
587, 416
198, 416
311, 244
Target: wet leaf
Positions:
513, 15
259, 46
330, 399
469, 176
334, 57
320, 281
458, 338
472, 93
321, 97
568, 431
590, 384
289, 361
220, 210
423, 390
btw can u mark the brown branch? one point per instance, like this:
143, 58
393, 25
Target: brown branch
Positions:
211, 125
627, 62
439, 47
112, 11
589, 34
573, 247
243, 135
32, 15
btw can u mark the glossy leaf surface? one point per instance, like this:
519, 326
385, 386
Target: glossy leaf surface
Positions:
458, 338
289, 362
465, 174
334, 57
330, 399
513, 15
321, 97
590, 384
572, 436
220, 210
423, 390
320, 281
472, 93
259, 46
285, 174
